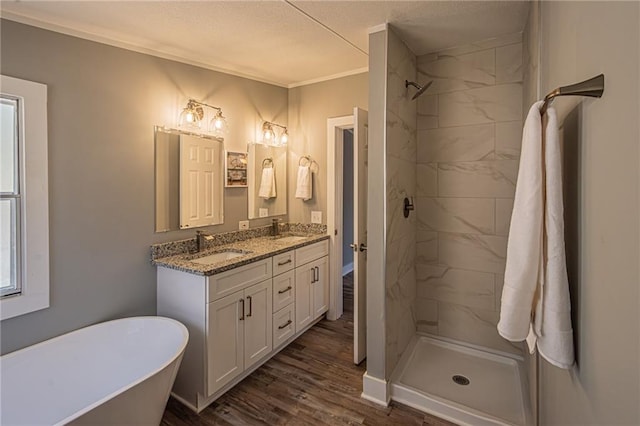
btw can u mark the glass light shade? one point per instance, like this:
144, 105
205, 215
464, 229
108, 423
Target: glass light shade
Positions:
218, 124
268, 135
284, 137
190, 118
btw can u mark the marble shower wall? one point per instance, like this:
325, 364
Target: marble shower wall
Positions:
469, 134
400, 183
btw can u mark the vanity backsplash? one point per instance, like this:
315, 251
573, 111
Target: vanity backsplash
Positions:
173, 248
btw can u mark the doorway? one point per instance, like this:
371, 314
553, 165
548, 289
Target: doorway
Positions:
347, 201
338, 130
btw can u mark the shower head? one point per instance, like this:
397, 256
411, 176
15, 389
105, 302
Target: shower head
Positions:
421, 89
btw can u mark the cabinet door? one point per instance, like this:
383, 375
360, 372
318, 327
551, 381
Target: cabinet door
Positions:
303, 302
258, 332
225, 340
320, 287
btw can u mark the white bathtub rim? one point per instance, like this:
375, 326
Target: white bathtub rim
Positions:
97, 403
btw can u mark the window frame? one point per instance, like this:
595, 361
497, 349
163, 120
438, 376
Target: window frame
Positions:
33, 202
16, 197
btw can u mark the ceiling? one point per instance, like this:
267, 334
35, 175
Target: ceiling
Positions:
288, 43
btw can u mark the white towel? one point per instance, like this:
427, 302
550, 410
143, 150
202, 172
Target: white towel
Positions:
535, 296
303, 187
267, 184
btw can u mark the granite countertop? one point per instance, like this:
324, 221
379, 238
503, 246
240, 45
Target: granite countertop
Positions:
252, 250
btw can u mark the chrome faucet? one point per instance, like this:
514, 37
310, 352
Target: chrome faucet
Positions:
275, 227
201, 240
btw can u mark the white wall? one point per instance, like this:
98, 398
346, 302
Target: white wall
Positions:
600, 140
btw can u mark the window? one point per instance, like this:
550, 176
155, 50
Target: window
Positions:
10, 279
24, 200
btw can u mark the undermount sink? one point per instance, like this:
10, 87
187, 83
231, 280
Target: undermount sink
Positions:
291, 239
220, 256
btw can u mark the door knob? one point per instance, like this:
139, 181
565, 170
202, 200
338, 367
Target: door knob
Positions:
354, 246
363, 247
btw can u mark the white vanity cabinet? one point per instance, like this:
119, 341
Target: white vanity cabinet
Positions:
312, 283
238, 319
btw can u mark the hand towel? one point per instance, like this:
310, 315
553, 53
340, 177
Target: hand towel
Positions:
267, 184
303, 187
535, 297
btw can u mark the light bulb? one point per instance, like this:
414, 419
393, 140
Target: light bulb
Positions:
284, 138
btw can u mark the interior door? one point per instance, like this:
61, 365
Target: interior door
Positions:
360, 148
200, 182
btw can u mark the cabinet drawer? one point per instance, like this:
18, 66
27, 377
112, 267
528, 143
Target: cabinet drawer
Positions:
283, 290
312, 252
228, 282
283, 325
283, 262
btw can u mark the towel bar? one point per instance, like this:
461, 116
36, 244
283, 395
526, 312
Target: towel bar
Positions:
593, 87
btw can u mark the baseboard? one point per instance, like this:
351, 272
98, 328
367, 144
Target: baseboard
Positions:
375, 390
347, 268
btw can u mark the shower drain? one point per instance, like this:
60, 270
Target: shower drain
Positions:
460, 380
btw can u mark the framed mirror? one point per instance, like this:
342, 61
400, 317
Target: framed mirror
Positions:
189, 180
267, 180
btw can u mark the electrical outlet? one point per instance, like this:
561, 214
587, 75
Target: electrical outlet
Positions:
316, 217
243, 224
263, 212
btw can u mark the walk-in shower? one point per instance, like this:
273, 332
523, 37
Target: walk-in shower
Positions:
444, 264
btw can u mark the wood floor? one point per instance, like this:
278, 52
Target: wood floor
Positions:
313, 381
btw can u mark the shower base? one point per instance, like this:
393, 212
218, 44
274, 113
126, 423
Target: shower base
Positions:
494, 395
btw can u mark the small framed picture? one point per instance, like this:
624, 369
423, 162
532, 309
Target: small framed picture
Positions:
236, 169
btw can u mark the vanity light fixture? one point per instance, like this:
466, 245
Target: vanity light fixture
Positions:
269, 136
193, 114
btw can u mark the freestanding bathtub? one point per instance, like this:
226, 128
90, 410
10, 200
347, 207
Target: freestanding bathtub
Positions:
116, 373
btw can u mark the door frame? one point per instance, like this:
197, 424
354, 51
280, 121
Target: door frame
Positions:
335, 172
